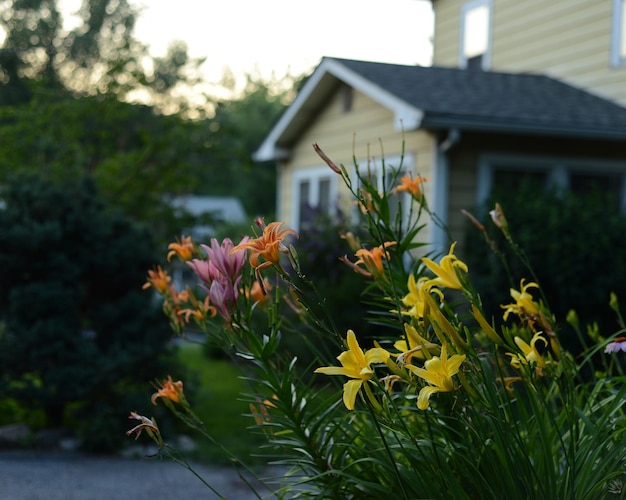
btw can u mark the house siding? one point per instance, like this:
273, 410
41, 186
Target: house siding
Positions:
366, 131
447, 32
565, 39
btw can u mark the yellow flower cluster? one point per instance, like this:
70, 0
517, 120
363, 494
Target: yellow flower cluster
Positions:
438, 368
432, 336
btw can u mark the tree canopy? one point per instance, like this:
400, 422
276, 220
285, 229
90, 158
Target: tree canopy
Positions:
99, 54
87, 174
134, 155
68, 108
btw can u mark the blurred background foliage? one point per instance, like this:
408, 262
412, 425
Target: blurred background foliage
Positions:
92, 100
571, 242
80, 338
96, 138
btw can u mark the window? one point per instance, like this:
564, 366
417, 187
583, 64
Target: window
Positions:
618, 49
581, 177
315, 190
475, 35
347, 98
393, 172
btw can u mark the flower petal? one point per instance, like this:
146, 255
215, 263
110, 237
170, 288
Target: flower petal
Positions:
454, 363
350, 390
424, 396
355, 349
333, 370
376, 355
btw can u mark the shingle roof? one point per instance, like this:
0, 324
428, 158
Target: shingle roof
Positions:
489, 100
444, 98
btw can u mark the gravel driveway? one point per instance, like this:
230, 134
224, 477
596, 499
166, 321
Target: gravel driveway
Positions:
30, 475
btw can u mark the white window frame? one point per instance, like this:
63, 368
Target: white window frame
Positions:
618, 37
314, 175
465, 10
405, 165
557, 168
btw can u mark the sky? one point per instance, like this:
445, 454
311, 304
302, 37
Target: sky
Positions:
288, 36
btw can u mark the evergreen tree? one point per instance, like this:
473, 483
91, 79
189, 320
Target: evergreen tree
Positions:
80, 337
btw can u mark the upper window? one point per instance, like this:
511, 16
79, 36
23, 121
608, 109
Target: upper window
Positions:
347, 98
315, 191
475, 35
618, 49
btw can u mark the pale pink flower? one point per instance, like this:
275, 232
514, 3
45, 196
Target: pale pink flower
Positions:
619, 344
223, 296
230, 265
205, 270
147, 424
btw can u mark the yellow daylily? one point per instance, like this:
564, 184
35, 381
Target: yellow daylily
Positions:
356, 365
524, 304
438, 372
414, 300
414, 345
446, 271
486, 327
531, 356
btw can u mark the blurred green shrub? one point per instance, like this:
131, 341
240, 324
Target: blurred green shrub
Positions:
319, 247
80, 338
573, 243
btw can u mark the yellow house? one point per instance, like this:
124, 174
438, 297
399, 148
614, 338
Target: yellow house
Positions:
497, 106
582, 42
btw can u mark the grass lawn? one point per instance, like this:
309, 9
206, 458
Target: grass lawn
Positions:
214, 394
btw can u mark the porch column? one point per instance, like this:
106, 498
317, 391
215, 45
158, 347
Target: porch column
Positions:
441, 190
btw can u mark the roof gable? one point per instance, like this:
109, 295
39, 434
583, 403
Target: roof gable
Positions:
323, 82
440, 98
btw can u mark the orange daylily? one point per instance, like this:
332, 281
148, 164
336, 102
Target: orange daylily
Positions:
373, 259
200, 310
158, 279
170, 390
259, 293
184, 248
269, 245
411, 185
366, 204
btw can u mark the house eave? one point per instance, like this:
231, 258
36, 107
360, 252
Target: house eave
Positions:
507, 127
269, 152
